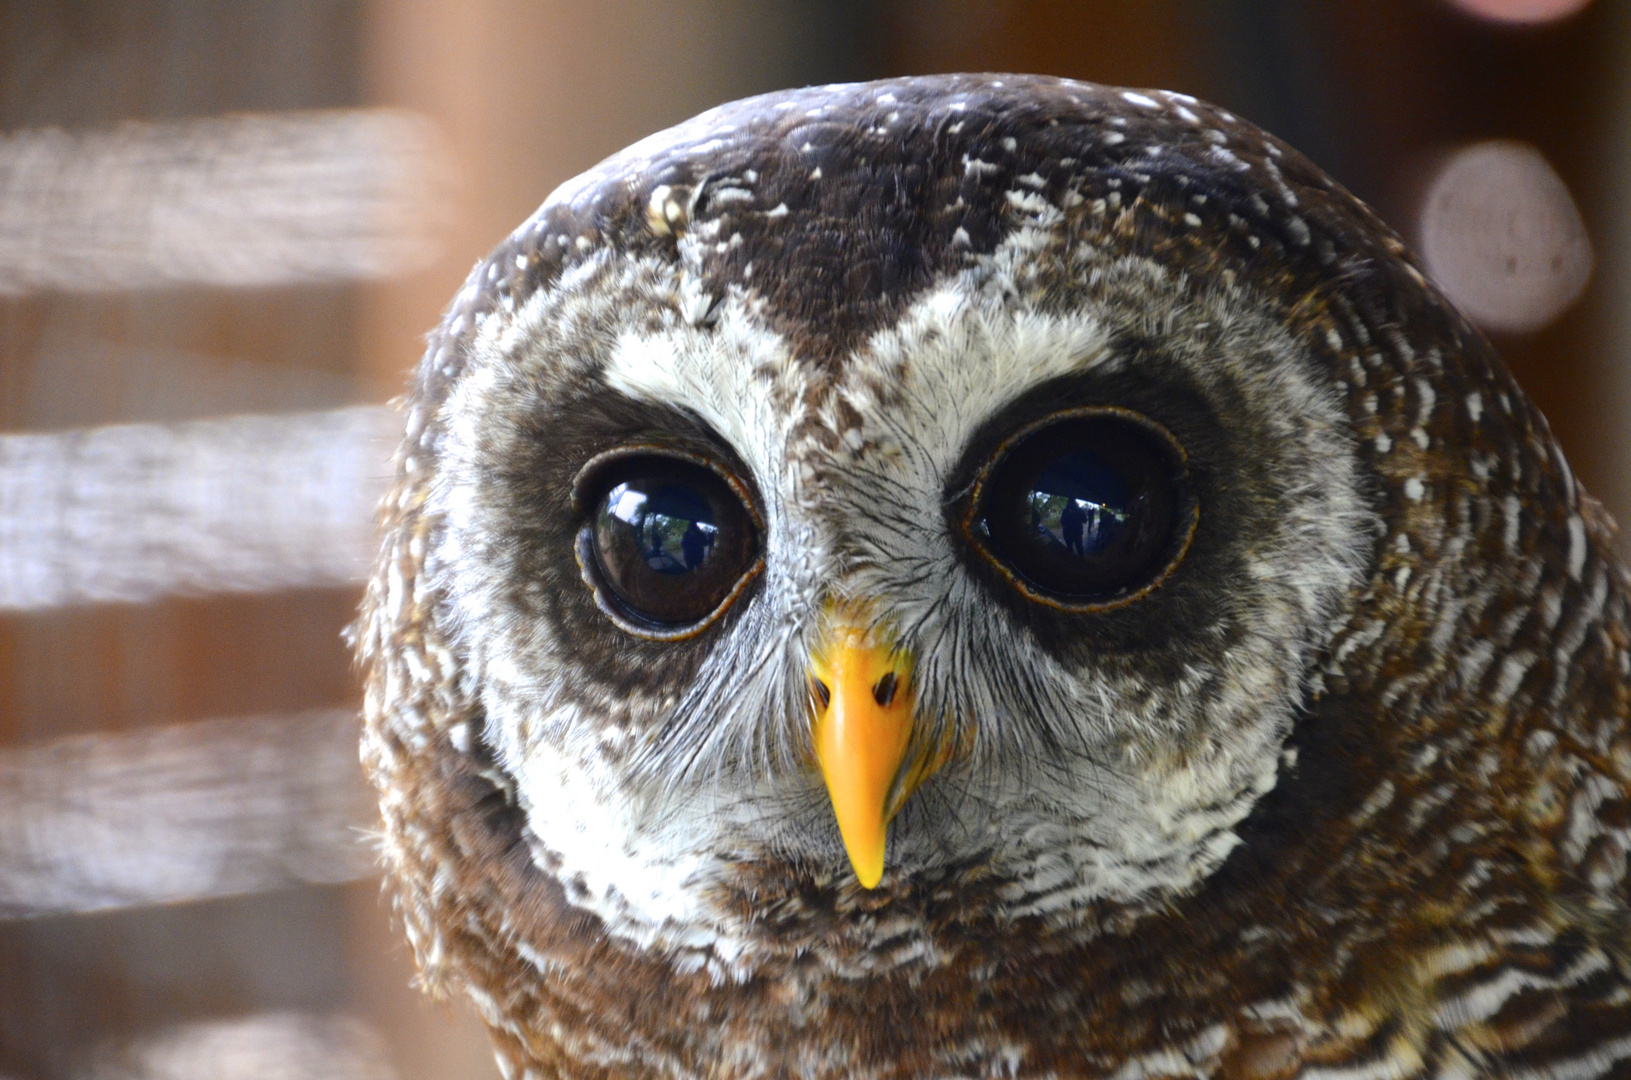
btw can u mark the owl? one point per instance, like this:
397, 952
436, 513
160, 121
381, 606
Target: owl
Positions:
994, 576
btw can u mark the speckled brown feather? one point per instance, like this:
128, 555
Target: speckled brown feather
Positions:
1436, 886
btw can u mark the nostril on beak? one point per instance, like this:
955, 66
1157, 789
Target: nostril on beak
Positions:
884, 692
822, 695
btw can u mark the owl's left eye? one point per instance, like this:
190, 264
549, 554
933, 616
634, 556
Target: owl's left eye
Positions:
1084, 510
670, 542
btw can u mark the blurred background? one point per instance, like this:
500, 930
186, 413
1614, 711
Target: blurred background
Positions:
225, 226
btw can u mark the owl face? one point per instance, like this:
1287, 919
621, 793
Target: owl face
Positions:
948, 542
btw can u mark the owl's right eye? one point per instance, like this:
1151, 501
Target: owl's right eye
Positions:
669, 544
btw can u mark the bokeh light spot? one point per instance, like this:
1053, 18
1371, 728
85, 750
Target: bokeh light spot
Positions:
1523, 12
1501, 236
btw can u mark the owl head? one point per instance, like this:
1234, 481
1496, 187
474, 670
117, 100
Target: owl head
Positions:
949, 490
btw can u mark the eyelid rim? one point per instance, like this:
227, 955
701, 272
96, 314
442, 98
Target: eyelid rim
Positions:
587, 481
1189, 506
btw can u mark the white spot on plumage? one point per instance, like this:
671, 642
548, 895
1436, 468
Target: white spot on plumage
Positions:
1577, 546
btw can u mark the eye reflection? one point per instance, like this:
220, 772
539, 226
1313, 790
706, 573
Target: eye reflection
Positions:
1085, 508
673, 526
670, 542
1080, 503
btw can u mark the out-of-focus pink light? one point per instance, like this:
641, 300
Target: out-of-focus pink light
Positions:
1501, 236
1526, 12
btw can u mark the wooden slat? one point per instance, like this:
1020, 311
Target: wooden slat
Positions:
265, 1046
186, 812
131, 512
245, 200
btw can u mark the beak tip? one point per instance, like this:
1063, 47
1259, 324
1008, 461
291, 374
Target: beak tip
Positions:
866, 857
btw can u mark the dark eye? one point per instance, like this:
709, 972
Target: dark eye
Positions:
1084, 509
670, 539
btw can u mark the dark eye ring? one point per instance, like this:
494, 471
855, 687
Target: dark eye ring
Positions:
670, 538
1087, 509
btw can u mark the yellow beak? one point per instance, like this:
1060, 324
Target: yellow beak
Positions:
862, 725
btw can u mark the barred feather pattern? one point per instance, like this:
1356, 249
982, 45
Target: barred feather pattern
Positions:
1436, 885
